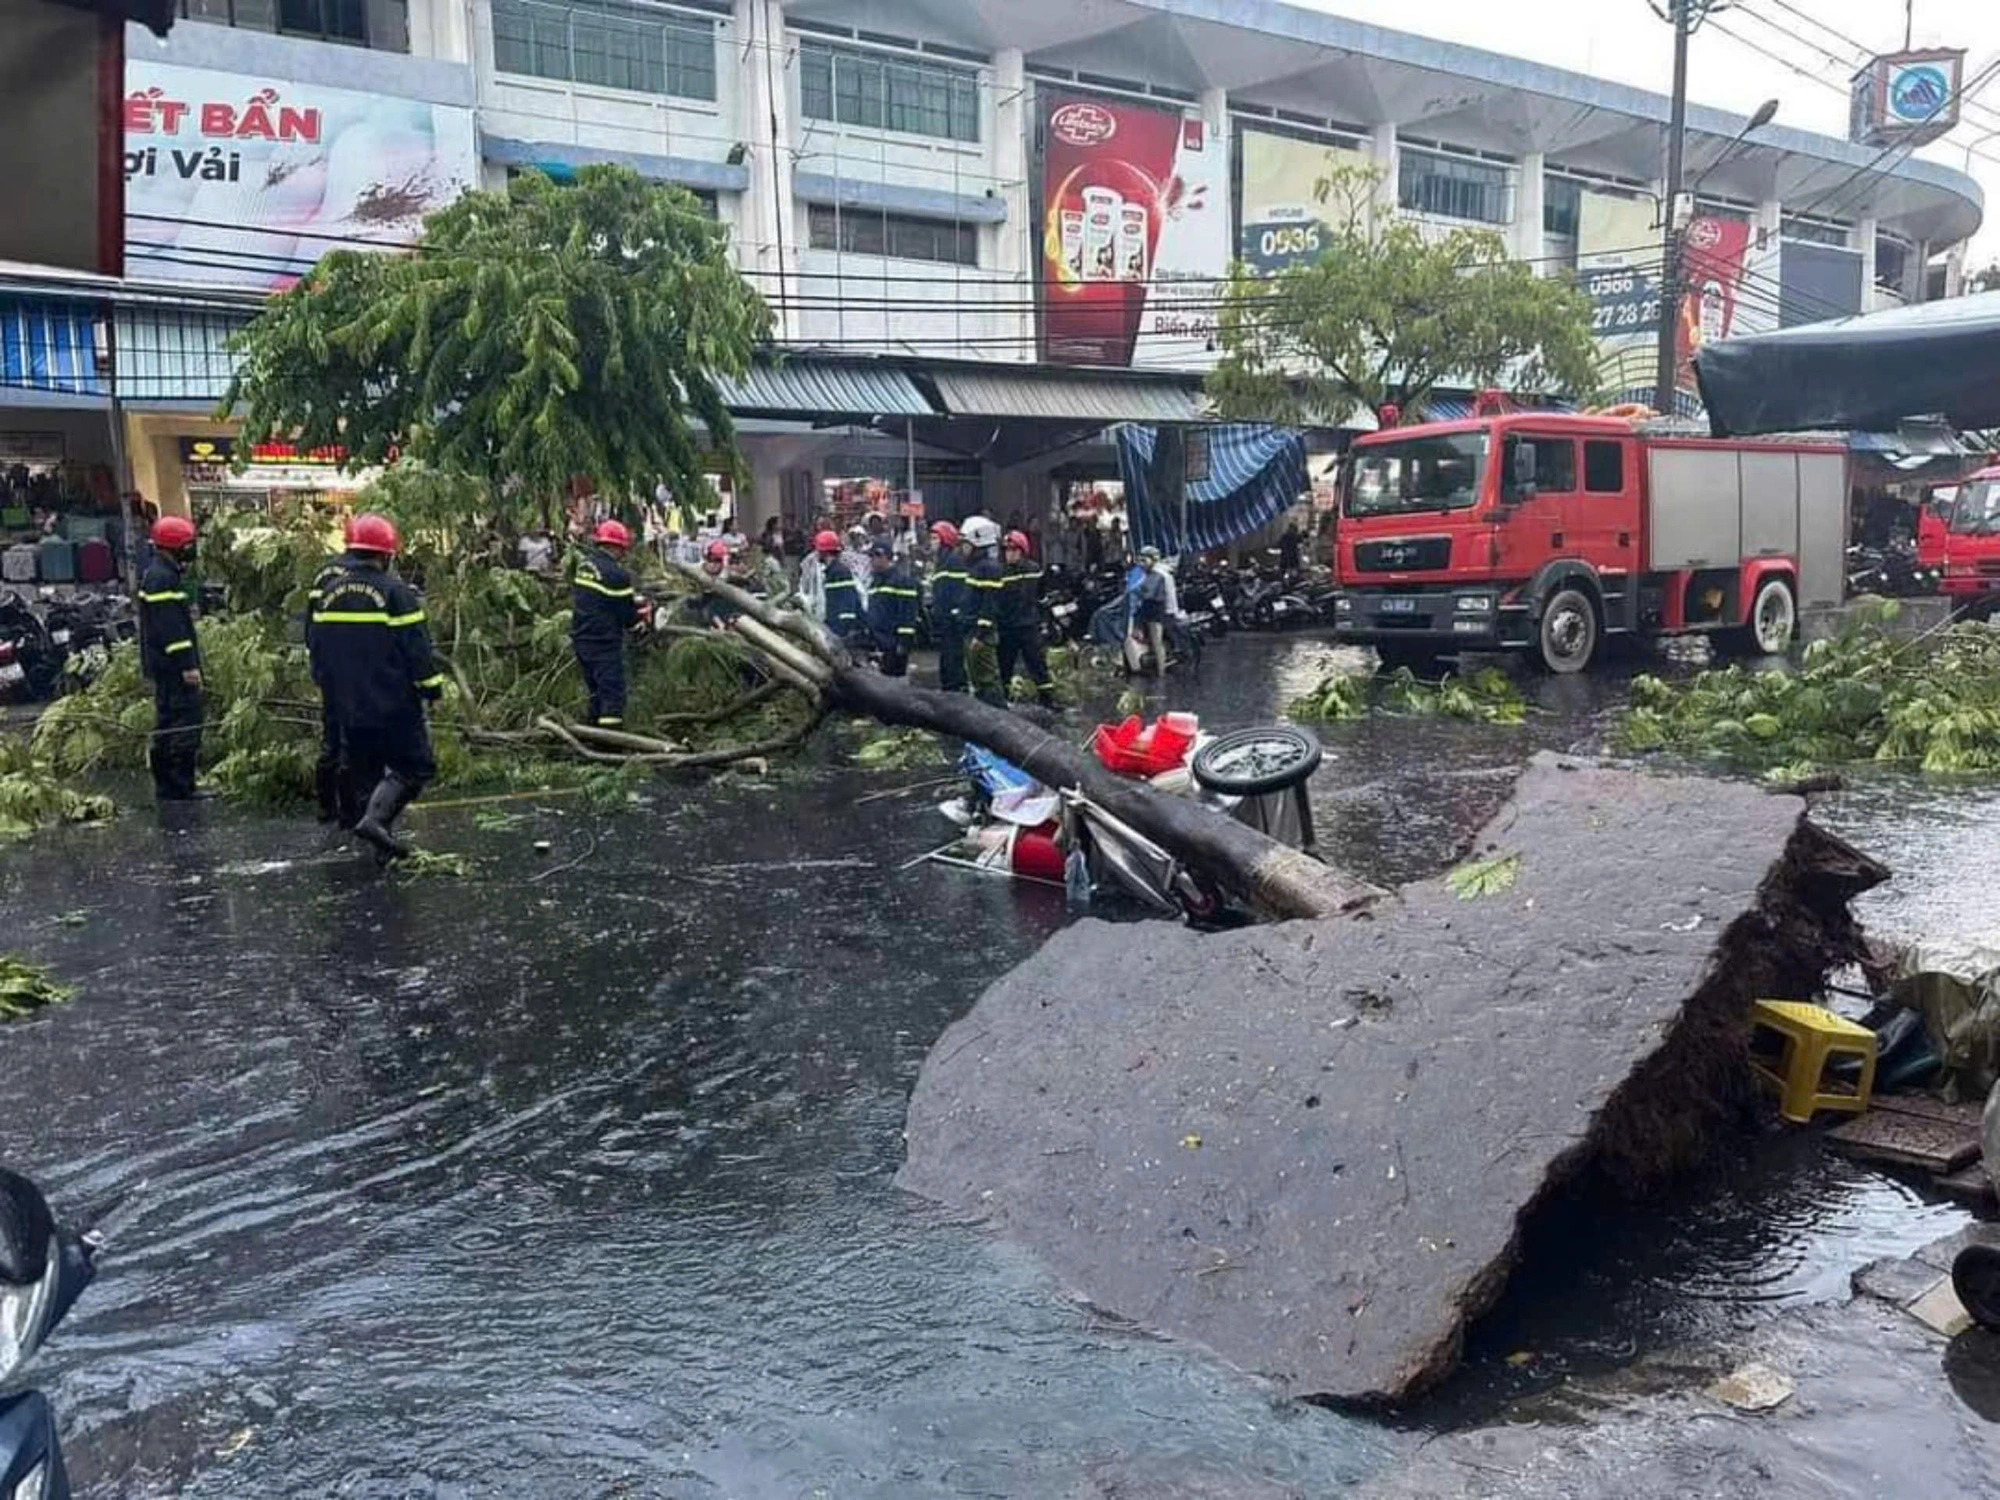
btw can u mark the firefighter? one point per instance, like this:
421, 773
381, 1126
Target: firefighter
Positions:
892, 608
603, 607
1018, 619
709, 609
372, 655
981, 539
173, 660
842, 590
339, 798
951, 606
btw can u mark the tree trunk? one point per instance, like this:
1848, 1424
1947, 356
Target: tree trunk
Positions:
1250, 867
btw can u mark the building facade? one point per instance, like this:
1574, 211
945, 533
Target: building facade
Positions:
986, 228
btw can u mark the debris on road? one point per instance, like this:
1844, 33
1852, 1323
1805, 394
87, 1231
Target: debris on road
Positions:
1753, 1387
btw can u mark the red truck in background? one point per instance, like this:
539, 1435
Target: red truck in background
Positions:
1547, 532
1958, 539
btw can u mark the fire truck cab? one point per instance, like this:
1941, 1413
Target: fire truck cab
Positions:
1959, 540
1546, 532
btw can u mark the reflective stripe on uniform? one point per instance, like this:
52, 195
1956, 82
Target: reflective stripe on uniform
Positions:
906, 630
435, 680
609, 722
171, 596
416, 617
172, 646
352, 617
597, 588
840, 583
893, 593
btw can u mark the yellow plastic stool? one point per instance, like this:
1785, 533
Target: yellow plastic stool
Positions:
1808, 1037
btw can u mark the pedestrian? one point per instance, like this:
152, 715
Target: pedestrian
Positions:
1149, 616
172, 659
812, 578
952, 613
855, 555
603, 608
1018, 619
772, 539
371, 651
1291, 548
339, 799
892, 609
840, 591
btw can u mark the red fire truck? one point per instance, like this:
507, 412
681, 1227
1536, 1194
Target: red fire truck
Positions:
1548, 531
1959, 540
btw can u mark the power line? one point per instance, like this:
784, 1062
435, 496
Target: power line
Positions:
1865, 52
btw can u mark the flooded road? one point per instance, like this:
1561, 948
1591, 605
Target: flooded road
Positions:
577, 1182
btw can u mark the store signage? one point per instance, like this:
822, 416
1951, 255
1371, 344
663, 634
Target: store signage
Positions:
243, 180
21, 446
222, 450
1285, 223
1135, 234
1906, 98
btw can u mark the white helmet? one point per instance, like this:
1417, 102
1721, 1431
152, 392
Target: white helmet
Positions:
980, 531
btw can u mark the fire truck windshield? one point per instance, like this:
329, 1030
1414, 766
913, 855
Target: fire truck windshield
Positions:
1440, 472
1976, 512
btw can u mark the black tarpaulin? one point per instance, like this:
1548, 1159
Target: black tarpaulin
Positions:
1935, 359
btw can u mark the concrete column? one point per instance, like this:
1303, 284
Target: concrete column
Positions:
1864, 234
1526, 237
769, 242
1762, 267
1917, 272
1382, 152
1017, 242
1954, 269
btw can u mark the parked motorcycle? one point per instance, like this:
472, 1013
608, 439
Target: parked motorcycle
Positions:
43, 1268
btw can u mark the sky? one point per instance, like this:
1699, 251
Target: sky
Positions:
1752, 51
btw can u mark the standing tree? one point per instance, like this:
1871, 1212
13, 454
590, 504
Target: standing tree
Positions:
1987, 280
531, 336
1386, 316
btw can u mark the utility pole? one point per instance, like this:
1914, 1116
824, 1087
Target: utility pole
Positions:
1667, 372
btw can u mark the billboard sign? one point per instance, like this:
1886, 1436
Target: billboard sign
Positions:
1284, 223
1907, 98
1135, 234
239, 180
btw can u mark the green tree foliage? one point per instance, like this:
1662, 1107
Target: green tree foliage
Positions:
1987, 280
533, 335
1387, 315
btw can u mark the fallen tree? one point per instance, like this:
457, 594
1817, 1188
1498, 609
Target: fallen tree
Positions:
1251, 868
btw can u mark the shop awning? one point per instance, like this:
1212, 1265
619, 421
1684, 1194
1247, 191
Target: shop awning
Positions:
49, 348
1055, 397
827, 388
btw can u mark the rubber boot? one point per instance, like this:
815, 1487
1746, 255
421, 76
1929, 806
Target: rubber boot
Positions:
385, 804
326, 784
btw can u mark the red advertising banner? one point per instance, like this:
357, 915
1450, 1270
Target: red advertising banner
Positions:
1712, 285
1135, 234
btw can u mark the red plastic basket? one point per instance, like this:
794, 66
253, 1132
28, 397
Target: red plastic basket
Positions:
1135, 748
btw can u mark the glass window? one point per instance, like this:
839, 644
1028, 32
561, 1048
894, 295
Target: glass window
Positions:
880, 91
1562, 206
1555, 464
1604, 468
1453, 187
382, 24
1976, 512
1815, 231
860, 231
606, 44
1433, 473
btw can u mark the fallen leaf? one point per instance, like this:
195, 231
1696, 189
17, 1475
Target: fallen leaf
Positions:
1191, 1141
1754, 1387
1484, 877
238, 1441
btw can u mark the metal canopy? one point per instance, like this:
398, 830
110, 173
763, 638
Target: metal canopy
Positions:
1071, 399
817, 387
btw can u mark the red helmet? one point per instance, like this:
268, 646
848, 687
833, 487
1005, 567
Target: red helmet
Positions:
826, 541
945, 532
173, 533
612, 534
372, 533
718, 551
1018, 540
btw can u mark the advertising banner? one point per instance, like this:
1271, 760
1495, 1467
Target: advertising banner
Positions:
1284, 222
243, 181
1135, 234
1713, 304
1618, 261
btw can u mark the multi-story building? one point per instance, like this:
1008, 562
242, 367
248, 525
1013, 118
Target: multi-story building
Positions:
986, 228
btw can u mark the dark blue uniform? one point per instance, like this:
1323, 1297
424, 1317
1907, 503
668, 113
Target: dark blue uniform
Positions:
339, 798
603, 607
169, 651
843, 602
371, 655
952, 617
1017, 619
892, 618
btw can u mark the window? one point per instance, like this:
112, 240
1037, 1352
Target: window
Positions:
1892, 262
1454, 188
381, 24
1555, 465
881, 91
1604, 468
861, 231
607, 44
1814, 231
1562, 206
1433, 473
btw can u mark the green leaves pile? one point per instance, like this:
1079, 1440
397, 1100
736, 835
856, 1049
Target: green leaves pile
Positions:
1487, 696
26, 987
1933, 704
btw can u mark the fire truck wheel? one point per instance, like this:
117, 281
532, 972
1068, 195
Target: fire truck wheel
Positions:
1569, 632
1774, 617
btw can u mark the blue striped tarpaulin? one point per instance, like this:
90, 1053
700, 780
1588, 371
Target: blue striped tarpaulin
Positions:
1254, 474
49, 346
